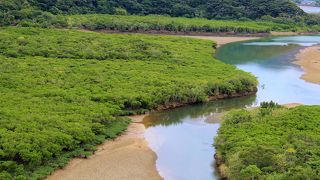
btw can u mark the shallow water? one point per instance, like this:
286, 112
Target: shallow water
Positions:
182, 138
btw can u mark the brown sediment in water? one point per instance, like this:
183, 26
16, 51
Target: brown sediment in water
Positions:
309, 60
127, 157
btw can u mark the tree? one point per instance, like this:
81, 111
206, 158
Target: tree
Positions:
251, 172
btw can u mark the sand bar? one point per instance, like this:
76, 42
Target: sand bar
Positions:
127, 158
309, 60
221, 40
292, 105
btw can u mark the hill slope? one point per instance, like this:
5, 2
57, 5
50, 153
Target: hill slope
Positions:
212, 9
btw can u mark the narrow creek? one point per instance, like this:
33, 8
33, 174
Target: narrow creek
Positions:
182, 138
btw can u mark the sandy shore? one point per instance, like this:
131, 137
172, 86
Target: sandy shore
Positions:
292, 105
309, 60
221, 40
275, 33
127, 158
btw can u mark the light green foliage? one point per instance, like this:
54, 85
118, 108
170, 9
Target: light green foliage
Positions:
62, 91
163, 23
282, 144
251, 172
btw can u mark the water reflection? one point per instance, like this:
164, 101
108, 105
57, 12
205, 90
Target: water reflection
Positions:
194, 112
182, 138
279, 78
242, 54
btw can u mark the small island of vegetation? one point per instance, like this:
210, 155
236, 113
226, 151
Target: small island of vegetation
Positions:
270, 142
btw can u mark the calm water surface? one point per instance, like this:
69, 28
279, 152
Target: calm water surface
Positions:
310, 9
182, 138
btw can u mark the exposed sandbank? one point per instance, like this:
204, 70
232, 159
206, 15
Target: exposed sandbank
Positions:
292, 105
127, 157
309, 60
221, 40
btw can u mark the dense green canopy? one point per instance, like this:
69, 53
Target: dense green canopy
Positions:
270, 143
62, 91
48, 12
224, 9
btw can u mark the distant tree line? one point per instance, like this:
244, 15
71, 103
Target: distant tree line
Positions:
211, 9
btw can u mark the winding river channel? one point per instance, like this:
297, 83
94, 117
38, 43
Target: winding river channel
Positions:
182, 138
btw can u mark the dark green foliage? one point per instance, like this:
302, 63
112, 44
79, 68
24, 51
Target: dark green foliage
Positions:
62, 91
252, 9
47, 13
269, 105
278, 15
283, 144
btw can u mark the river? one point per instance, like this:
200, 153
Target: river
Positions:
182, 138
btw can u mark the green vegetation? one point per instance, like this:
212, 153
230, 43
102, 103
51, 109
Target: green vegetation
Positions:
254, 16
212, 9
163, 23
271, 142
62, 91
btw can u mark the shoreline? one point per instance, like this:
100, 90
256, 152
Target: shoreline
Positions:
126, 157
210, 98
309, 60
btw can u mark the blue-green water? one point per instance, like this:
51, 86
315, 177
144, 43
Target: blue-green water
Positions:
271, 61
182, 138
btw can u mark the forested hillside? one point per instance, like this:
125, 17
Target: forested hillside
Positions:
47, 13
252, 9
11, 10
